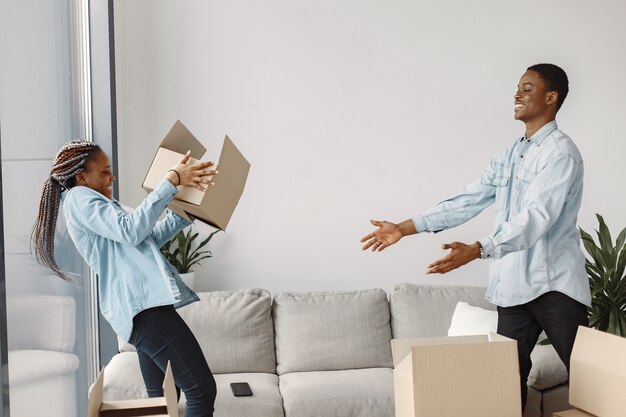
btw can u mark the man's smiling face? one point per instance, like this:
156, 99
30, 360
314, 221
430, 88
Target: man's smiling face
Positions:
532, 100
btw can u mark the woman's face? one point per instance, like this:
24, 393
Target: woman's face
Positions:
98, 175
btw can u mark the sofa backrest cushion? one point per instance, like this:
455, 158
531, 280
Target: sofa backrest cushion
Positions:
41, 322
324, 331
426, 310
234, 329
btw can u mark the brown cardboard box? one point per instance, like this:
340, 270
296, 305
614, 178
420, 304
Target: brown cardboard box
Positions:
150, 407
597, 374
456, 377
216, 205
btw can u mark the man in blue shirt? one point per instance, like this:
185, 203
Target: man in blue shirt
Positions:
537, 274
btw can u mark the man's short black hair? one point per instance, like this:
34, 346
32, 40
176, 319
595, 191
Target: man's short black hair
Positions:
555, 79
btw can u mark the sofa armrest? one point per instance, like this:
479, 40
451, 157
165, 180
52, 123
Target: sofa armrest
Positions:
43, 322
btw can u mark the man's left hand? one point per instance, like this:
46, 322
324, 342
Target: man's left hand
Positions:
459, 255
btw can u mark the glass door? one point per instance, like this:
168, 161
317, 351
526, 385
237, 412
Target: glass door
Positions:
49, 337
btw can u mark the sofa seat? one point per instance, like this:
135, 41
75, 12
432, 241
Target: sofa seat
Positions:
43, 383
123, 381
343, 393
31, 366
264, 402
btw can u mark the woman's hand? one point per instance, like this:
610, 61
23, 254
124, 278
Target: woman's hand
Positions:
191, 175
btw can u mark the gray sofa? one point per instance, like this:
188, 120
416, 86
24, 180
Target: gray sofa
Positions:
324, 353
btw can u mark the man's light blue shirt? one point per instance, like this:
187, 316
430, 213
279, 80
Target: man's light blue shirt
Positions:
124, 250
536, 185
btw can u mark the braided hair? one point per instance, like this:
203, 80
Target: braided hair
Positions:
71, 159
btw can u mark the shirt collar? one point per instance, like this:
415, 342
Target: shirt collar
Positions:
112, 200
542, 133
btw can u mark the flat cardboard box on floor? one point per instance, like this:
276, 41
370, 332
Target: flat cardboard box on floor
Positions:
597, 375
214, 206
166, 406
457, 376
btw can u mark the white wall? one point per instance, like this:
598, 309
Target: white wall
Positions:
350, 110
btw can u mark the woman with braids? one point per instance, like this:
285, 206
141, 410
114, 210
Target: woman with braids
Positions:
139, 289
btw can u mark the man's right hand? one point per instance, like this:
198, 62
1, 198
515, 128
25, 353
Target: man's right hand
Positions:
386, 235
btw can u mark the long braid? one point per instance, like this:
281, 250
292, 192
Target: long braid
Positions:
71, 159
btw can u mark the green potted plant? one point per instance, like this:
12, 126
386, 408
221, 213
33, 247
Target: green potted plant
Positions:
182, 254
606, 279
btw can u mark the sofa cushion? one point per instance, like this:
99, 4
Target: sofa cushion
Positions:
35, 366
332, 330
43, 322
348, 393
426, 310
264, 402
548, 369
122, 378
234, 329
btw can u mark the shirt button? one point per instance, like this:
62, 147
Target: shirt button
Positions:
521, 156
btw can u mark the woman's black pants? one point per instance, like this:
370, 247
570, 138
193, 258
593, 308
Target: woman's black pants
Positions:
160, 335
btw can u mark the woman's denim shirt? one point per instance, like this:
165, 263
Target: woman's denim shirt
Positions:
124, 250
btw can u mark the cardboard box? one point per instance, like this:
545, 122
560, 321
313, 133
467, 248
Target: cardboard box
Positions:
166, 406
214, 206
597, 375
456, 377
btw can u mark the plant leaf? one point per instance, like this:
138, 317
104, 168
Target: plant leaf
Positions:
197, 262
195, 256
621, 264
621, 238
604, 235
591, 248
207, 240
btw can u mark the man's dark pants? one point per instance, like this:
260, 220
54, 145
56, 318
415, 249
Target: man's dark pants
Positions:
555, 313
